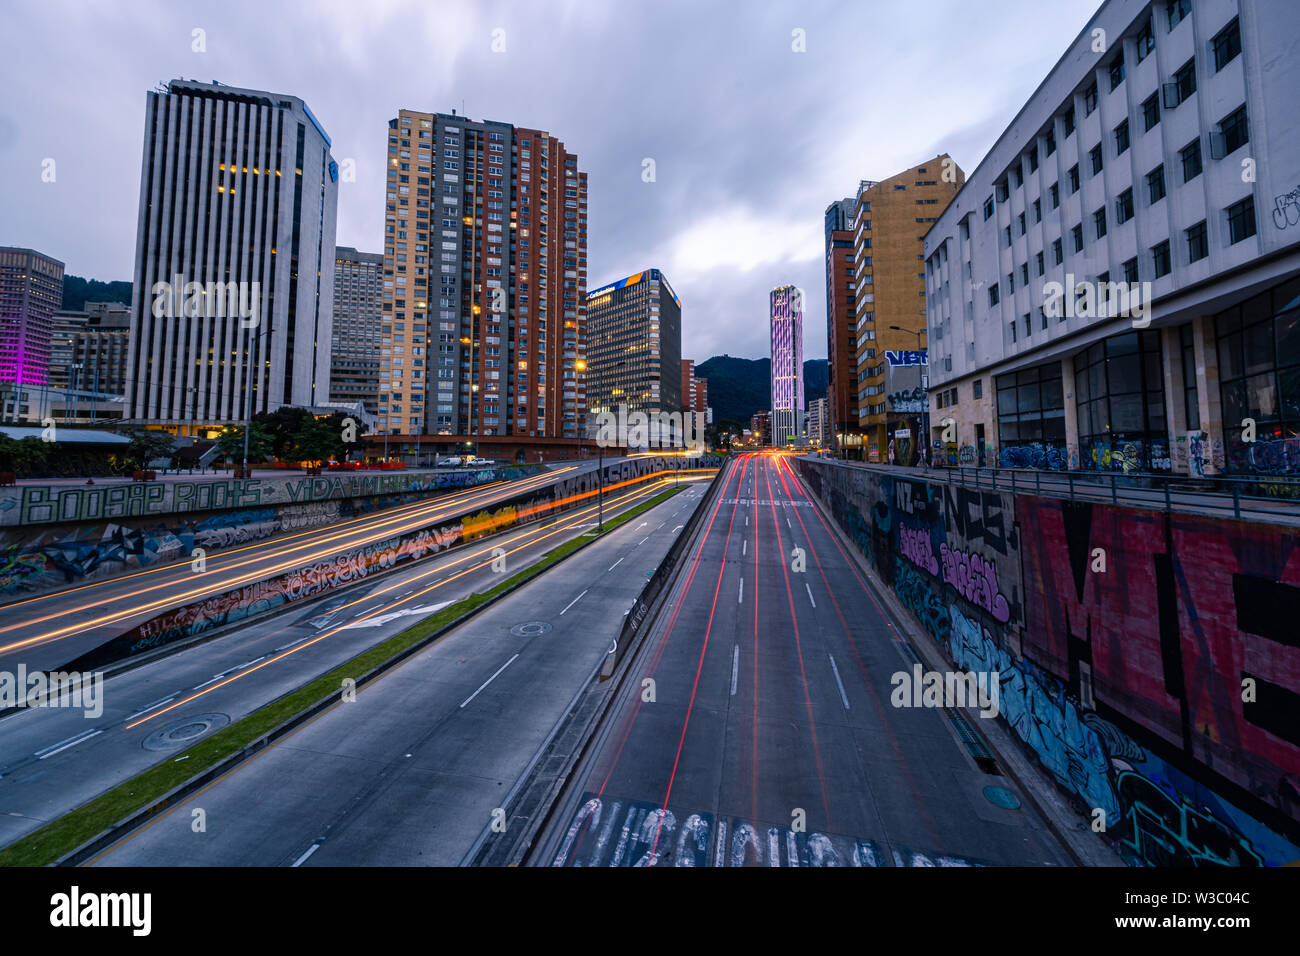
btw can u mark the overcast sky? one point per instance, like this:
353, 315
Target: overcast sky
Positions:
750, 139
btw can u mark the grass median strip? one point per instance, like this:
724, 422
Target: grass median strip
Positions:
75, 828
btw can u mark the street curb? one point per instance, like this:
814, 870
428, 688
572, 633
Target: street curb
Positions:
1042, 793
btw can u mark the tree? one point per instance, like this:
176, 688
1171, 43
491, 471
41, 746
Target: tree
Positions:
230, 443
148, 444
317, 440
282, 425
338, 421
24, 456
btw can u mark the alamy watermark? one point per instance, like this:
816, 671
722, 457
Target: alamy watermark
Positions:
208, 300
1098, 300
74, 689
645, 430
959, 689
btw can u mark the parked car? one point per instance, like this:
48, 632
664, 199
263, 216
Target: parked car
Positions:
452, 462
480, 462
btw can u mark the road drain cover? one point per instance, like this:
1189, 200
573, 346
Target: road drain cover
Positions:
1002, 797
531, 629
183, 732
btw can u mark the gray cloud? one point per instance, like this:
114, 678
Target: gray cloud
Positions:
751, 140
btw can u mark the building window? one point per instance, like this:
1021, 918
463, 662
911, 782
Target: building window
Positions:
1038, 260
1099, 222
1146, 40
1074, 179
1002, 191
1241, 220
1131, 270
1160, 259
1031, 408
1197, 245
1190, 156
1050, 144
1076, 234
1038, 210
1054, 194
1124, 207
1121, 137
1057, 253
1033, 160
1024, 274
1020, 221
977, 388
1156, 185
1234, 131
1068, 119
1116, 72
1011, 283
1095, 159
1191, 403
1182, 87
1014, 330
1259, 371
1089, 100
1226, 45
988, 208
1120, 401
1177, 10
1150, 112
994, 295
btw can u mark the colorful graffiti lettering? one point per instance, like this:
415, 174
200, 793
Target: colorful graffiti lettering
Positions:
1034, 455
976, 580
914, 544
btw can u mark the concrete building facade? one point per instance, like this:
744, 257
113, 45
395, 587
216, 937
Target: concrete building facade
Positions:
786, 326
485, 274
358, 327
31, 291
841, 329
891, 218
1117, 286
234, 262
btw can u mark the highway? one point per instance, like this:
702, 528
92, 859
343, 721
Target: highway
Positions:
48, 630
54, 759
410, 773
758, 713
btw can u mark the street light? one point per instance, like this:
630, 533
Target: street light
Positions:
925, 409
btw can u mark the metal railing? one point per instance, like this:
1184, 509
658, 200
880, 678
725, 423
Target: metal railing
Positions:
1262, 497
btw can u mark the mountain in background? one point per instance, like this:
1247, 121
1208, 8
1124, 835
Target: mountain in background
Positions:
740, 387
78, 291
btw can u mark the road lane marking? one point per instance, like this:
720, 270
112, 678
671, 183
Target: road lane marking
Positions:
148, 707
615, 564
740, 598
489, 680
735, 668
575, 600
843, 696
643, 541
788, 524
679, 528
303, 859
744, 547
276, 651
215, 679
810, 597
65, 744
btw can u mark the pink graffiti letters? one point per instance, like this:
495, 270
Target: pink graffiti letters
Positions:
914, 543
976, 580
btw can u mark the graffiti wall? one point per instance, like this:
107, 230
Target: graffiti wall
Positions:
137, 525
348, 566
1150, 663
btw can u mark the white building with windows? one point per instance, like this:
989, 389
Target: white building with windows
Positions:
1117, 285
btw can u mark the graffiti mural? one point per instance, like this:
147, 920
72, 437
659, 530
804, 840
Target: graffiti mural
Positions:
1126, 685
1033, 455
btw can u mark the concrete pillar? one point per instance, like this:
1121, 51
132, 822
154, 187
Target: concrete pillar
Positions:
1171, 355
1208, 395
1071, 412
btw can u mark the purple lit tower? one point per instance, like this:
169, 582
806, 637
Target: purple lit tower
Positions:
787, 364
31, 291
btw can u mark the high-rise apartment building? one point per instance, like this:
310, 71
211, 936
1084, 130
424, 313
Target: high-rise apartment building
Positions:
1117, 286
31, 290
786, 319
891, 219
635, 345
234, 265
68, 347
358, 325
485, 274
841, 329
819, 423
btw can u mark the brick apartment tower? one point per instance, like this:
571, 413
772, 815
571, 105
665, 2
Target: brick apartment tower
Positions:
841, 332
485, 274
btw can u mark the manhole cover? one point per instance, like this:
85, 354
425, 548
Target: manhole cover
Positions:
1002, 797
531, 629
183, 732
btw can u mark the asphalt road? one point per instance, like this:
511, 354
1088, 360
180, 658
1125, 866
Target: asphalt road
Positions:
48, 630
411, 772
758, 712
54, 759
